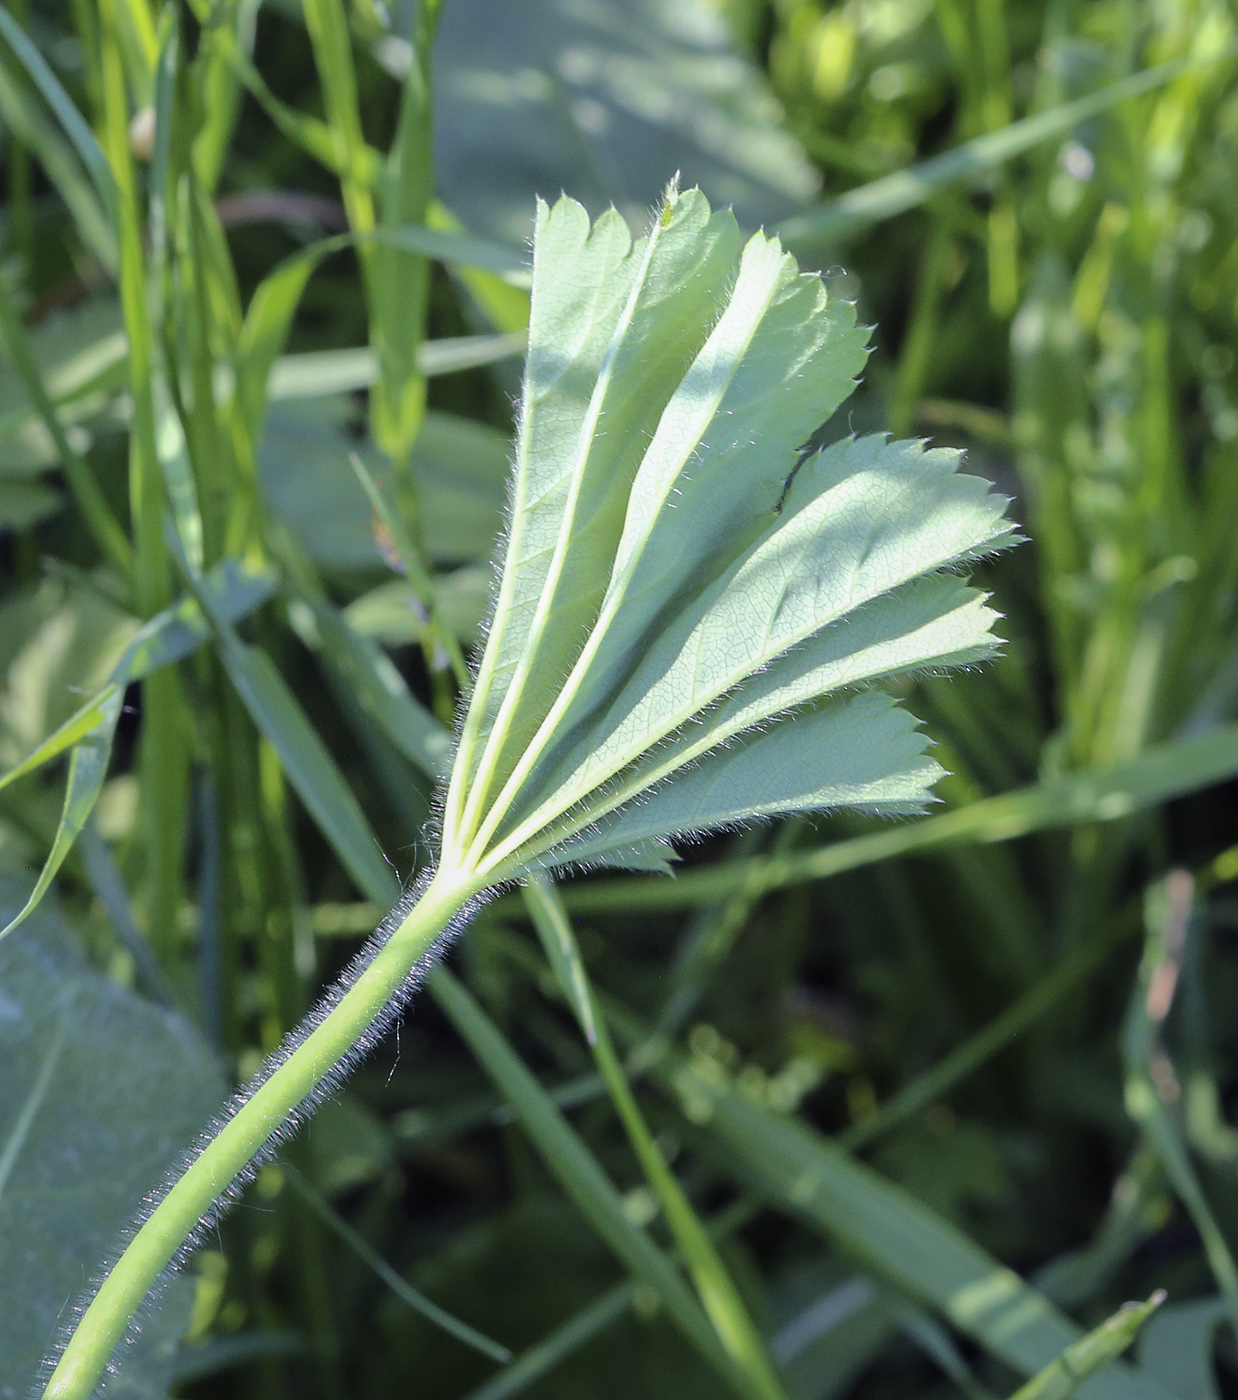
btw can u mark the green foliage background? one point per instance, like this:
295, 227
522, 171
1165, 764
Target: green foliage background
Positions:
944, 1092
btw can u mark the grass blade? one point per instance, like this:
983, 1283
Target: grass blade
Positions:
1169, 914
908, 189
896, 1236
100, 519
531, 1365
717, 1292
402, 1289
577, 1170
1061, 1379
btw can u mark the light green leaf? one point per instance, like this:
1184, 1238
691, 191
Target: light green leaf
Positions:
860, 752
1061, 1379
1095, 795
87, 192
604, 100
307, 762
460, 468
685, 566
100, 1091
613, 326
379, 688
316, 372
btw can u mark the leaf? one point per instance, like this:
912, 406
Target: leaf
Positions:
714, 1285
101, 1090
1176, 1346
861, 752
459, 466
908, 189
308, 764
1061, 1379
1095, 795
577, 1170
892, 1234
62, 145
602, 101
316, 372
685, 570
167, 637
379, 688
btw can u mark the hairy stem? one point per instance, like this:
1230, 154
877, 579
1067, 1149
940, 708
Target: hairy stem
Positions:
215, 1167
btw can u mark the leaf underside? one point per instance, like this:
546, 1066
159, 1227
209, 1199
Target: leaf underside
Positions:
694, 604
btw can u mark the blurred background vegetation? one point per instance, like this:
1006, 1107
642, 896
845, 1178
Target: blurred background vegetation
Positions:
243, 243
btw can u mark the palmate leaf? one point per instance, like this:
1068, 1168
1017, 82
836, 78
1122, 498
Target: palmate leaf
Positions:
693, 599
692, 616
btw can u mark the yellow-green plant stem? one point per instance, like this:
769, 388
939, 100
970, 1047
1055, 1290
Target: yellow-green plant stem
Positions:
105, 1322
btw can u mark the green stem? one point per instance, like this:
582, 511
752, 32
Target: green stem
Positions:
243, 1136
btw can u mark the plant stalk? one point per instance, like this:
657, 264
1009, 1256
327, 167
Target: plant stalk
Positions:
233, 1146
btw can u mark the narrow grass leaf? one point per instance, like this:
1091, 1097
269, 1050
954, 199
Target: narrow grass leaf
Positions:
1177, 1345
1061, 1379
714, 1285
74, 125
576, 1168
908, 189
380, 689
895, 1236
402, 1289
1169, 914
89, 733
311, 770
542, 1357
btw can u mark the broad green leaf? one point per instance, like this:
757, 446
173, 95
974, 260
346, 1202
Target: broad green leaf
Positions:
309, 485
685, 566
603, 101
101, 1090
861, 752
613, 326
